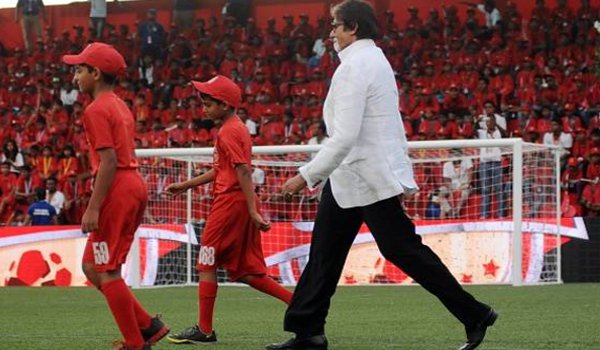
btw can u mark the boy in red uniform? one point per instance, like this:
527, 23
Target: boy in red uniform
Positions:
231, 238
119, 198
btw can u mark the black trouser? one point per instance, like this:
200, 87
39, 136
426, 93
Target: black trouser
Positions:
334, 231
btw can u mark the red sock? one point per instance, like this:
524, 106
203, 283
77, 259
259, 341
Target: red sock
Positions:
207, 293
269, 286
120, 302
141, 315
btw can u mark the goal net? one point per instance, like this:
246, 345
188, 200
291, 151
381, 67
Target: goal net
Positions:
489, 208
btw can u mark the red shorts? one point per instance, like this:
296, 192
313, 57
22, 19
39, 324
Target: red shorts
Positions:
231, 240
120, 215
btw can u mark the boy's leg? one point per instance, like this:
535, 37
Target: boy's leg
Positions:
268, 286
107, 250
120, 302
202, 332
119, 298
207, 294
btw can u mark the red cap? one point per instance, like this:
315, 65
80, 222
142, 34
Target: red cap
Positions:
532, 129
221, 88
102, 56
572, 161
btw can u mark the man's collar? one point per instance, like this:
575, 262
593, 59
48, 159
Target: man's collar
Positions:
354, 47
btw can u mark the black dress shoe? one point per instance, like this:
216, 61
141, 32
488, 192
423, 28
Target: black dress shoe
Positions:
315, 342
476, 333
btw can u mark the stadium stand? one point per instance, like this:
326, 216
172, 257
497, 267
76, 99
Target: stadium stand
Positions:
537, 72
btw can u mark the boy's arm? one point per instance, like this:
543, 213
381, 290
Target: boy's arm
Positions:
179, 187
104, 178
244, 176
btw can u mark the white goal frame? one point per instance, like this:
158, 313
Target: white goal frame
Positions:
514, 144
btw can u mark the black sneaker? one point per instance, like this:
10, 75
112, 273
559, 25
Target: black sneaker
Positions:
156, 331
192, 335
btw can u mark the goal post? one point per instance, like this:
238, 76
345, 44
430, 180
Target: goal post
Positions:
491, 222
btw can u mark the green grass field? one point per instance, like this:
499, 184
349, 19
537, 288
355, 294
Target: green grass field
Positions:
553, 317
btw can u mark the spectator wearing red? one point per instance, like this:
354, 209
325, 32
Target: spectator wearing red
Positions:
532, 135
578, 94
407, 97
303, 29
47, 165
272, 130
562, 13
570, 121
141, 110
260, 83
141, 134
67, 163
544, 120
464, 127
590, 198
26, 185
469, 77
414, 20
593, 169
454, 101
425, 101
8, 182
57, 117
448, 76
293, 134
180, 135
299, 107
580, 147
484, 93
571, 186
429, 125
158, 136
317, 85
549, 94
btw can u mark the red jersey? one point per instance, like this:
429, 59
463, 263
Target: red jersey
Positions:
233, 147
108, 123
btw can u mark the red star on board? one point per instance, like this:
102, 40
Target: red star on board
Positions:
490, 268
466, 278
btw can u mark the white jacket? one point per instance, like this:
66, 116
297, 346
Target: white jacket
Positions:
366, 156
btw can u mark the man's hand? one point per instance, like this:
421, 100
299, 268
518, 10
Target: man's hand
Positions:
260, 222
292, 186
89, 222
176, 188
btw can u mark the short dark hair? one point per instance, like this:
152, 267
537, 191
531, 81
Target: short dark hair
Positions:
359, 15
106, 78
40, 193
210, 98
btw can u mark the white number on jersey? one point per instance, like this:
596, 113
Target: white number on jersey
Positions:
207, 256
100, 253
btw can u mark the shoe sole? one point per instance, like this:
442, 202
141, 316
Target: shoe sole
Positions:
189, 341
158, 335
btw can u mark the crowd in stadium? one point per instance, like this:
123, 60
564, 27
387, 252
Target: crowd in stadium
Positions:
531, 75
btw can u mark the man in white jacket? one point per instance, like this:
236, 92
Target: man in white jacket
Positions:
366, 170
